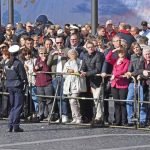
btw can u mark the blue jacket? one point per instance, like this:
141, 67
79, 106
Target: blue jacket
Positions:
15, 74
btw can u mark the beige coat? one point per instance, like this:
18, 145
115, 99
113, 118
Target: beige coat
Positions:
72, 82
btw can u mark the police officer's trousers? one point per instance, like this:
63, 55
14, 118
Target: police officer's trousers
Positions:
16, 104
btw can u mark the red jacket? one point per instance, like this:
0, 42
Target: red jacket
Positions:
110, 35
118, 70
42, 79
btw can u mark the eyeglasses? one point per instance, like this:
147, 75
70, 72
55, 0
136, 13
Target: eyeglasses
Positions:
73, 39
27, 54
90, 47
43, 53
116, 40
59, 42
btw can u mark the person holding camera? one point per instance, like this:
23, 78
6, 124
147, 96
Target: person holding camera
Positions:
56, 60
43, 82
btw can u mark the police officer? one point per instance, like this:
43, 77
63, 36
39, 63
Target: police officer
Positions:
16, 79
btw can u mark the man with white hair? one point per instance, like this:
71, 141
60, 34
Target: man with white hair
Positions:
144, 72
110, 32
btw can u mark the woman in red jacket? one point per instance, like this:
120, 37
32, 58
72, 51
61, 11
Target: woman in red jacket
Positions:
43, 82
119, 84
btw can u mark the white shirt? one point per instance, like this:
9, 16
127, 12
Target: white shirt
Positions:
147, 34
59, 64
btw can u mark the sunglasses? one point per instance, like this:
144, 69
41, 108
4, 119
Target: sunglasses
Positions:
43, 53
58, 42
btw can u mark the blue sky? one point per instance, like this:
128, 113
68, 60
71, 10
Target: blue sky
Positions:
79, 11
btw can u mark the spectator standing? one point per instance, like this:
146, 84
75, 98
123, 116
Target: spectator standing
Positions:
92, 65
43, 82
56, 60
71, 85
119, 84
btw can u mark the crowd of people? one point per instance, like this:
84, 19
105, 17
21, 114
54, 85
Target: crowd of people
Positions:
29, 52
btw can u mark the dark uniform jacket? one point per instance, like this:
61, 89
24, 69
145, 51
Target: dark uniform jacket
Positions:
15, 74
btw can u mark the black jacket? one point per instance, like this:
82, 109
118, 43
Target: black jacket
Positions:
92, 65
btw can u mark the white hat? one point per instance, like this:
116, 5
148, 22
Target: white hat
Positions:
29, 24
146, 49
60, 31
72, 27
14, 49
109, 22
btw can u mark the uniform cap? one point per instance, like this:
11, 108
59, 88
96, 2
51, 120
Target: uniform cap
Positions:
14, 49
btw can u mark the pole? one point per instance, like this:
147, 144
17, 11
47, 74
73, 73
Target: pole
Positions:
0, 14
11, 11
94, 15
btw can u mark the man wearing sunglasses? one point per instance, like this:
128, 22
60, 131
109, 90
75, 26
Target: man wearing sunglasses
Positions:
56, 60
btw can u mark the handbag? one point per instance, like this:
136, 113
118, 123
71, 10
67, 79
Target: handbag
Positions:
82, 84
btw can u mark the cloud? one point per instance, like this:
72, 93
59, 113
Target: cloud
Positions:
81, 8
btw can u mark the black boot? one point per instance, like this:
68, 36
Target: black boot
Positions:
18, 130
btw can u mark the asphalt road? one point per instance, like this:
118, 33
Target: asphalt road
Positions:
41, 136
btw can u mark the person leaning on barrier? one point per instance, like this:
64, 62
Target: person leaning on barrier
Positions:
56, 60
119, 84
16, 80
144, 72
72, 84
43, 82
136, 57
92, 65
107, 68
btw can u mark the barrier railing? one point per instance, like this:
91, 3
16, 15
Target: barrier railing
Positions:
136, 100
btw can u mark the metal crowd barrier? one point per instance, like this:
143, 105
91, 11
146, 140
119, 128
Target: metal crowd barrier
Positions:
136, 100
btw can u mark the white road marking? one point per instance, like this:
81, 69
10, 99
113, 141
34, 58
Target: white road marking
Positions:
127, 147
69, 139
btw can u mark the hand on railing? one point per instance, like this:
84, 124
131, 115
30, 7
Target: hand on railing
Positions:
70, 71
146, 73
128, 75
103, 74
138, 77
112, 77
82, 74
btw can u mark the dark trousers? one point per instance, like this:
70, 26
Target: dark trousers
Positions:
86, 107
16, 98
45, 104
120, 107
58, 83
4, 103
146, 90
